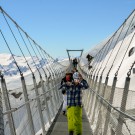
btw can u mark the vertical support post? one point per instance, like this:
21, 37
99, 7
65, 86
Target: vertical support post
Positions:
92, 97
51, 96
59, 93
47, 108
1, 116
68, 55
112, 132
99, 122
84, 99
27, 106
7, 105
123, 106
96, 99
87, 97
55, 94
109, 108
56, 91
39, 105
1, 113
81, 53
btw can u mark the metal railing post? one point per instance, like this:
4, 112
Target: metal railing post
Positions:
123, 106
51, 96
56, 94
59, 96
47, 108
109, 108
27, 106
96, 99
10, 120
39, 106
100, 107
8, 107
92, 96
52, 86
87, 97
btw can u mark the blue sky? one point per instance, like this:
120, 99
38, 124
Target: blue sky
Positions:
58, 25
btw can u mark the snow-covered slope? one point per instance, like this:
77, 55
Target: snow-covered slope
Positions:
16, 93
7, 64
8, 67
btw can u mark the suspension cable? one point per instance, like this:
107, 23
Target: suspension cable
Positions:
129, 72
51, 60
101, 56
4, 70
31, 54
17, 42
124, 55
11, 53
17, 25
46, 60
53, 68
121, 46
54, 62
96, 62
114, 47
106, 52
118, 38
40, 56
26, 47
35, 55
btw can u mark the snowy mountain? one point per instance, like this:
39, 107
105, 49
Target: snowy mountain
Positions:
8, 67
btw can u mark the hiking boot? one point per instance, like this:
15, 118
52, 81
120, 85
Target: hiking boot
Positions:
71, 133
64, 112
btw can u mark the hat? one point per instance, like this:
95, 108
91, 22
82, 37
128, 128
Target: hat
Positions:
68, 77
76, 75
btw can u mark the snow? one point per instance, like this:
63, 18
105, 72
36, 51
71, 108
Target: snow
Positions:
11, 73
125, 43
15, 91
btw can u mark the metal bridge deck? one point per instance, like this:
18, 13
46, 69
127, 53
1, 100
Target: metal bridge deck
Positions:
60, 125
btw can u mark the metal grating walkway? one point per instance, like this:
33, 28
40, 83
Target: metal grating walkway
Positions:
60, 126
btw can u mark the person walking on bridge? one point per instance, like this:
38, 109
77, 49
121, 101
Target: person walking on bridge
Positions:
75, 63
74, 103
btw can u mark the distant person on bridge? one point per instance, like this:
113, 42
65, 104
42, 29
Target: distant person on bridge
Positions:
64, 107
68, 78
75, 63
74, 103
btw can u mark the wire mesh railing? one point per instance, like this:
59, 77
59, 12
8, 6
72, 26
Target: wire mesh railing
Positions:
105, 117
29, 95
109, 103
51, 97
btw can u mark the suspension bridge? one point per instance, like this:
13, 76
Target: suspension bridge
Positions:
31, 104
